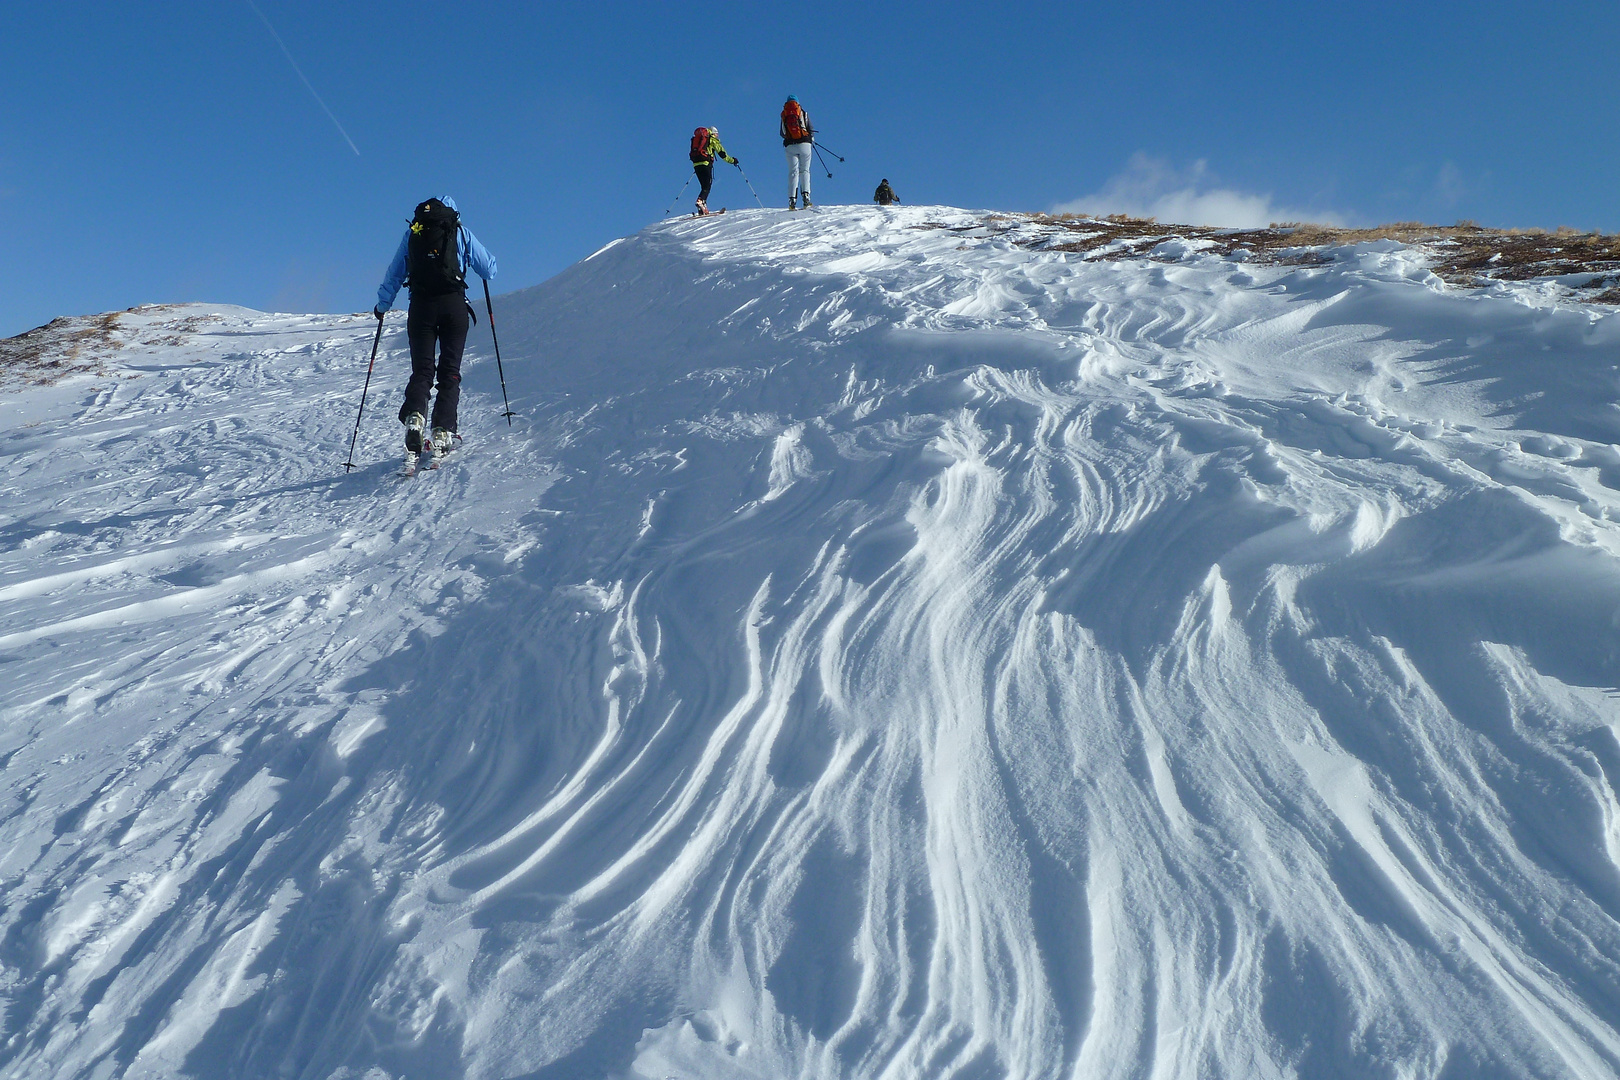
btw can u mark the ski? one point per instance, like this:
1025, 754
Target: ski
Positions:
711, 213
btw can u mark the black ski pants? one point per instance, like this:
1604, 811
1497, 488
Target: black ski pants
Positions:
705, 175
436, 320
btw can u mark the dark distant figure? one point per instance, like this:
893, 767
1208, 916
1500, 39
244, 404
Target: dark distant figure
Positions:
884, 195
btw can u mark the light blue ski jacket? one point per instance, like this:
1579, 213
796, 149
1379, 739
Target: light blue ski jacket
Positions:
474, 256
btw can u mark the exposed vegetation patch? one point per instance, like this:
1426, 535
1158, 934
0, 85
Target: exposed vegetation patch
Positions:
84, 344
1463, 254
73, 345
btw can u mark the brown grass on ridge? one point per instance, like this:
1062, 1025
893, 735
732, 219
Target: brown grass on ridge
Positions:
63, 346
1463, 254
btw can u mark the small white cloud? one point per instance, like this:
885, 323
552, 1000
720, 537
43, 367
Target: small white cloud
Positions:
1449, 186
1150, 187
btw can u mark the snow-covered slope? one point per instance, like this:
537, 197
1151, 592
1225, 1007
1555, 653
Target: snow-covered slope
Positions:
884, 647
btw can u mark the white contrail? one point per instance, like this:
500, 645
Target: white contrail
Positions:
301, 75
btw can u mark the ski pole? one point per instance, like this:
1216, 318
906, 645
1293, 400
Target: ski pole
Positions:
678, 195
824, 161
750, 186
820, 147
347, 465
491, 309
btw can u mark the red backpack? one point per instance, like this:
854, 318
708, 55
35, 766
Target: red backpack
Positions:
793, 121
700, 145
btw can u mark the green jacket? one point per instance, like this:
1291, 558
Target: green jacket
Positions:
714, 150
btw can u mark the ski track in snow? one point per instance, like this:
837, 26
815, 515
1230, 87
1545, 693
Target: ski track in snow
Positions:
880, 649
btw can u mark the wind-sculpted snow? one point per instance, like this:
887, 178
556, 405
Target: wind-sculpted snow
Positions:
881, 649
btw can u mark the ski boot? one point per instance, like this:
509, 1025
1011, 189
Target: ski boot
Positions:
792, 203
441, 445
806, 199
702, 208
415, 425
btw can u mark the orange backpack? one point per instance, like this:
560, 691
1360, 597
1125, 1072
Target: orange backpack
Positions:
793, 121
700, 145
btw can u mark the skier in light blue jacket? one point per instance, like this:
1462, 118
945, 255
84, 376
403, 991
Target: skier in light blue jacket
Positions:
433, 259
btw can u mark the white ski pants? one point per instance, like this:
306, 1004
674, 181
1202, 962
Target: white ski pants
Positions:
798, 156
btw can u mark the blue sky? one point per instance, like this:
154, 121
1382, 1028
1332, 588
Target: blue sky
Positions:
156, 152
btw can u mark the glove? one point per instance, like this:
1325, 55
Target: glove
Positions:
377, 311
734, 161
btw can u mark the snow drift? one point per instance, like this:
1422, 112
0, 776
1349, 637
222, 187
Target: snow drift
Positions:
883, 648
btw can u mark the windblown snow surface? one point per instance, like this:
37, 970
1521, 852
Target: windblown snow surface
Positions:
880, 648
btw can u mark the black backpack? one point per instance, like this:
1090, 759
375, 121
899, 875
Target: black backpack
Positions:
434, 265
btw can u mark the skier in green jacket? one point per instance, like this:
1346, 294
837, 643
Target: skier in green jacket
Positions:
705, 148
